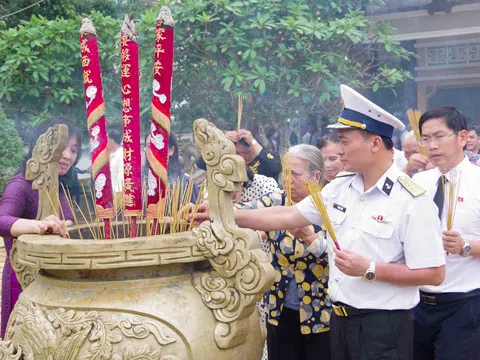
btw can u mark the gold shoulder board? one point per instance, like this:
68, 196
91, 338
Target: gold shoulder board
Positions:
410, 186
345, 174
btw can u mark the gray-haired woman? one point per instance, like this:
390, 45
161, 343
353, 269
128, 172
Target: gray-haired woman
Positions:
297, 305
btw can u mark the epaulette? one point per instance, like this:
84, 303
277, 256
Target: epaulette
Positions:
344, 174
410, 186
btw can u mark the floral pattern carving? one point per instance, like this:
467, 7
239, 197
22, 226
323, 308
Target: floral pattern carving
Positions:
40, 333
242, 271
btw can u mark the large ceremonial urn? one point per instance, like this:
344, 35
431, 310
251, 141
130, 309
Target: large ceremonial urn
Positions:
188, 295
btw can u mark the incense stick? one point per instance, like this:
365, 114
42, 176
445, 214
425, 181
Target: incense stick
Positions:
287, 176
81, 213
240, 110
88, 208
70, 204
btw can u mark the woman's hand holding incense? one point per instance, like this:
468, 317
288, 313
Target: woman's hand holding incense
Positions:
452, 242
186, 210
203, 213
304, 233
350, 263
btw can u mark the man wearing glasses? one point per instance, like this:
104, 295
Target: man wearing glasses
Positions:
447, 320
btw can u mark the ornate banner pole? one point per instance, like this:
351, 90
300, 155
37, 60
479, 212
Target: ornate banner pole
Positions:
157, 152
132, 160
97, 125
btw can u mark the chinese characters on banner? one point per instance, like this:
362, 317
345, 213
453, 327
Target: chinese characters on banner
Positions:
97, 126
132, 162
157, 152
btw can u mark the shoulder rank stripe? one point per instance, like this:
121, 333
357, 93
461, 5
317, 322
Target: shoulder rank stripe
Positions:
344, 174
410, 186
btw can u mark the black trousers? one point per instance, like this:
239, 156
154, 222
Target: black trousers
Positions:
286, 342
382, 334
447, 331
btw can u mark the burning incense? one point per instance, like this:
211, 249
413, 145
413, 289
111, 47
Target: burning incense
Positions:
314, 190
97, 126
132, 160
413, 118
287, 176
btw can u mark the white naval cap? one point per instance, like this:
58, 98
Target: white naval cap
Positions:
361, 113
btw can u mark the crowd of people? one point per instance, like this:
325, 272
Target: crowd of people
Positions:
401, 285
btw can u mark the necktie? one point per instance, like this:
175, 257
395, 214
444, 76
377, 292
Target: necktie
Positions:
439, 198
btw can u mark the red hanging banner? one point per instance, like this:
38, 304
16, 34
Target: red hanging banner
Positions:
157, 152
96, 122
132, 159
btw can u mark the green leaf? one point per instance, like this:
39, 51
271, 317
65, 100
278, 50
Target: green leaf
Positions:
262, 86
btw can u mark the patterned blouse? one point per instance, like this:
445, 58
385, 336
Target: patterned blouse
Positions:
291, 259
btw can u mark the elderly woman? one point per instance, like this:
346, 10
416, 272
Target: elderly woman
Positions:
331, 151
298, 307
19, 205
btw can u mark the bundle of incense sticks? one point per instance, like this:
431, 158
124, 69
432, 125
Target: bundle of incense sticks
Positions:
287, 176
414, 118
451, 203
169, 218
314, 190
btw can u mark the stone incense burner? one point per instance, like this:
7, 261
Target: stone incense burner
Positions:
189, 295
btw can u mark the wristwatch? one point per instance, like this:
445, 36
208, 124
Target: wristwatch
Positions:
254, 142
466, 248
369, 274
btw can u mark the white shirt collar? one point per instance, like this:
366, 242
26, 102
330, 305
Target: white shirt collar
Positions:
383, 184
456, 170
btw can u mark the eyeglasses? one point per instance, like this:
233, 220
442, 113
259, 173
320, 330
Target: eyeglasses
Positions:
438, 139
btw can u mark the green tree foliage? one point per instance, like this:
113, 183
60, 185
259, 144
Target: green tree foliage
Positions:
283, 56
41, 71
11, 151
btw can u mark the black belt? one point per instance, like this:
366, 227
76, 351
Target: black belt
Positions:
443, 298
346, 310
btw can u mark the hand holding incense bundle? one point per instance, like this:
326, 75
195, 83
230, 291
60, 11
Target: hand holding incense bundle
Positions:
314, 190
452, 203
287, 176
413, 118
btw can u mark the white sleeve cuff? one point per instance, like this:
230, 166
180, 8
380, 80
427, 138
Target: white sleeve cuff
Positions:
318, 247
